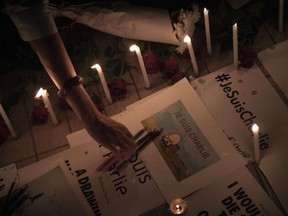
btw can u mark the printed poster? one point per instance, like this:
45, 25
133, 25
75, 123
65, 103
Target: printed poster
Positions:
274, 60
218, 156
237, 193
129, 191
8, 174
239, 98
182, 144
98, 190
52, 193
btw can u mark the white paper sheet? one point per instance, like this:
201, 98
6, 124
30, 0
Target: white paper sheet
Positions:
8, 175
229, 159
115, 190
253, 92
274, 60
123, 20
53, 192
235, 194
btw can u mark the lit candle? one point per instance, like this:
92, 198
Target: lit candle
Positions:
207, 31
7, 121
187, 40
255, 130
281, 15
235, 45
178, 206
135, 48
43, 92
103, 82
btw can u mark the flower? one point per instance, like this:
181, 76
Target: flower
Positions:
177, 77
171, 67
117, 88
186, 26
246, 56
152, 63
4, 132
39, 114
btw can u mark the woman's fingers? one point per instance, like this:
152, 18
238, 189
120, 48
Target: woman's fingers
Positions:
106, 164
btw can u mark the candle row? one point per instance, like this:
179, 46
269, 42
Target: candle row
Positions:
187, 40
133, 48
43, 93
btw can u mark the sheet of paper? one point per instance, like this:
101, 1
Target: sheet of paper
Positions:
96, 187
274, 60
239, 98
237, 193
223, 158
274, 164
114, 190
124, 20
54, 192
8, 174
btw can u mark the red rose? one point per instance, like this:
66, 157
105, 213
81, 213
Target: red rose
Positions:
117, 88
171, 67
40, 114
152, 63
4, 132
177, 76
246, 56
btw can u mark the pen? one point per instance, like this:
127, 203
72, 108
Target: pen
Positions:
18, 193
149, 139
140, 141
144, 141
10, 191
16, 200
139, 133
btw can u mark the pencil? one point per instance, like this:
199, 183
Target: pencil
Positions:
10, 191
144, 141
138, 134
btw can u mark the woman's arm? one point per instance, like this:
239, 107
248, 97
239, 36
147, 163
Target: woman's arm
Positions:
36, 26
109, 133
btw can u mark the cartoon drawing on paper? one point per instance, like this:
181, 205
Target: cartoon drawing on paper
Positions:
182, 144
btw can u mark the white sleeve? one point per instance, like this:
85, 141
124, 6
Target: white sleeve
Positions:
32, 18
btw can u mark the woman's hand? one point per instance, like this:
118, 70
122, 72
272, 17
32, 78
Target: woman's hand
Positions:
113, 136
106, 131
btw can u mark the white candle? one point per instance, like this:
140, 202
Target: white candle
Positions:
43, 92
255, 130
178, 206
7, 121
135, 48
187, 40
235, 45
207, 31
103, 82
281, 15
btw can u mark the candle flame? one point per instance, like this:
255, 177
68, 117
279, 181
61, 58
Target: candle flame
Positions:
187, 39
96, 66
255, 128
178, 207
235, 25
205, 11
40, 92
133, 47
